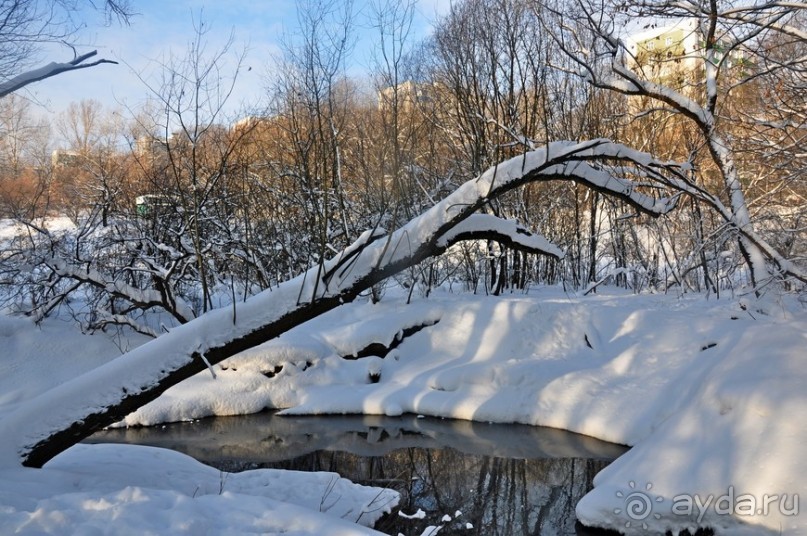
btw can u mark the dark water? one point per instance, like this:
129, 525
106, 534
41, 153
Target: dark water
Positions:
504, 479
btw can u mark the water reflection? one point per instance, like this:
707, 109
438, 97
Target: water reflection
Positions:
503, 479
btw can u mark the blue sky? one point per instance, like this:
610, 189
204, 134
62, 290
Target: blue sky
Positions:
165, 26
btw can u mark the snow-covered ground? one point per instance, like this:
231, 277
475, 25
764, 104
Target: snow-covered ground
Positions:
709, 393
125, 489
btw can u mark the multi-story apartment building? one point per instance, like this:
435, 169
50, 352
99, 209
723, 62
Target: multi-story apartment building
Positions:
663, 52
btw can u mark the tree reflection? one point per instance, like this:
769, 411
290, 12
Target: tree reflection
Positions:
504, 479
497, 496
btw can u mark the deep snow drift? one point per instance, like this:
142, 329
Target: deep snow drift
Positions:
709, 393
124, 489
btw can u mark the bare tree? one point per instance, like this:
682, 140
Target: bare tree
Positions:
192, 93
185, 236
498, 99
23, 139
312, 97
398, 93
728, 53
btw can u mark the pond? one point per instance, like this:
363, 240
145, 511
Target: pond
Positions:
468, 477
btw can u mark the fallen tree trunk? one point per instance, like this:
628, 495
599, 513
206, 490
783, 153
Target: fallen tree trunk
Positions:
42, 428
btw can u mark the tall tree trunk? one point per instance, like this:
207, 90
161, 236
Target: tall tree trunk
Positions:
740, 217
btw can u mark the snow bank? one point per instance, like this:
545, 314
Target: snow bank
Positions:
124, 489
707, 392
732, 457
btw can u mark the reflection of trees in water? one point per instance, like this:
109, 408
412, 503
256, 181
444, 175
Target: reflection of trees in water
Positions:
498, 496
439, 466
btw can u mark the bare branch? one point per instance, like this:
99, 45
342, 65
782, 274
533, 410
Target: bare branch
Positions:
49, 70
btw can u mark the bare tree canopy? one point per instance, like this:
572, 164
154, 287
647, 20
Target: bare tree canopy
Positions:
725, 46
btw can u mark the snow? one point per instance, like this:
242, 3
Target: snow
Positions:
38, 358
125, 489
420, 514
56, 225
507, 228
708, 393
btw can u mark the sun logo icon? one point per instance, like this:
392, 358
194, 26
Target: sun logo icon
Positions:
638, 505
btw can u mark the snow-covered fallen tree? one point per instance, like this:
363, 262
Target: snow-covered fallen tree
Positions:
36, 431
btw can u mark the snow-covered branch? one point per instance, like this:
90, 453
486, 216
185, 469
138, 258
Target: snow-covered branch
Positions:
142, 298
49, 70
507, 232
720, 32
